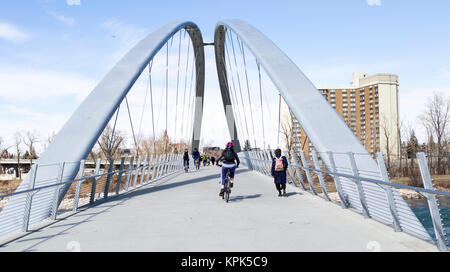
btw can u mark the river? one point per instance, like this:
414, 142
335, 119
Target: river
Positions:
420, 208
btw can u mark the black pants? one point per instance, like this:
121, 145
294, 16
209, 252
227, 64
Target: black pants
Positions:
280, 186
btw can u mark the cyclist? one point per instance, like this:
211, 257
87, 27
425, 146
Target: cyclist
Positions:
186, 159
230, 163
196, 157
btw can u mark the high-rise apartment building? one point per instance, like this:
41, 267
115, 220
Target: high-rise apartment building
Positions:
370, 108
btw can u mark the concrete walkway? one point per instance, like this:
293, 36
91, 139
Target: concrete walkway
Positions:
184, 213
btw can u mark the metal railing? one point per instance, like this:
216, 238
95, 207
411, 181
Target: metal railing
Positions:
355, 189
89, 186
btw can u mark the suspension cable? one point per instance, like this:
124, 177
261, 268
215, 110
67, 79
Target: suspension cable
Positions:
261, 101
132, 129
248, 89
233, 95
151, 102
178, 80
239, 84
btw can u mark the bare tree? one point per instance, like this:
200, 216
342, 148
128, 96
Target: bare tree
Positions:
111, 142
30, 138
386, 132
436, 118
17, 143
288, 137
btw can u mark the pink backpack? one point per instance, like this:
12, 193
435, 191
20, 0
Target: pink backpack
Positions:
279, 164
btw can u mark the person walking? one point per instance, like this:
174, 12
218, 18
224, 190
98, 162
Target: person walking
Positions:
213, 159
186, 160
279, 167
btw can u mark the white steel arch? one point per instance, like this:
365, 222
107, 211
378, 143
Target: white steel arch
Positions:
323, 126
80, 133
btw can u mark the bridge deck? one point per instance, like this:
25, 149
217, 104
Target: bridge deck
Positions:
185, 213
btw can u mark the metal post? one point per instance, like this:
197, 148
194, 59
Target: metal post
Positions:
308, 175
156, 167
299, 173
291, 175
389, 193
150, 169
119, 177
144, 168
432, 203
57, 191
108, 177
319, 174
268, 162
26, 217
362, 198
337, 181
94, 184
79, 183
130, 172
138, 169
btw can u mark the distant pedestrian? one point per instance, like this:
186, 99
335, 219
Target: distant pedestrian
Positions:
279, 167
213, 160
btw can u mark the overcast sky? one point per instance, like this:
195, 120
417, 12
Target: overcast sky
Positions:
54, 52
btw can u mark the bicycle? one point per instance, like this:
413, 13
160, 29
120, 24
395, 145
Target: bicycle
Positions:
197, 164
227, 189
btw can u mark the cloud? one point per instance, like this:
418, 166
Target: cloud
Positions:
67, 20
12, 33
73, 2
24, 84
373, 2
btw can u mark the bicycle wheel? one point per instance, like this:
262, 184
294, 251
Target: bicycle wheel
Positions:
227, 190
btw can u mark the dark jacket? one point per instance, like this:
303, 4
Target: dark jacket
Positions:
235, 160
196, 155
279, 176
186, 156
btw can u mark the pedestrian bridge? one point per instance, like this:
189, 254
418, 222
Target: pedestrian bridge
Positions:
341, 197
183, 212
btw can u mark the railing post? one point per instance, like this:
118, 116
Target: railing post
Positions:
362, 198
308, 175
94, 183
57, 191
432, 203
299, 173
130, 173
119, 177
319, 174
389, 194
138, 165
79, 183
144, 168
150, 169
337, 181
291, 175
108, 177
26, 217
155, 167
268, 162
